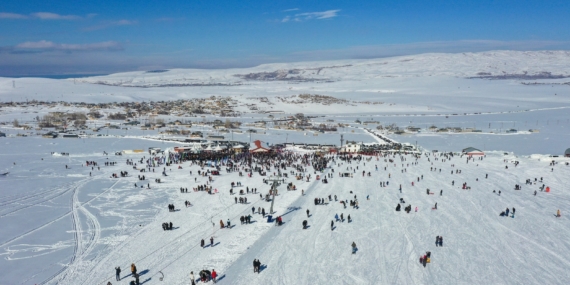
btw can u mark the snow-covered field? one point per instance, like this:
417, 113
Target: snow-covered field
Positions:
64, 226
75, 225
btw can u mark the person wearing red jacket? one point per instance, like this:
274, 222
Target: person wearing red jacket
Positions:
214, 275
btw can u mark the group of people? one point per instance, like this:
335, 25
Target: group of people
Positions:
167, 226
256, 265
438, 241
505, 213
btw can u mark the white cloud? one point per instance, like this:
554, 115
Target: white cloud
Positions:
43, 16
54, 16
12, 16
290, 10
110, 24
318, 15
43, 45
300, 17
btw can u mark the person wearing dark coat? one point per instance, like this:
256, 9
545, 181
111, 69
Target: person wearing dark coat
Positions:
202, 243
332, 225
304, 224
118, 273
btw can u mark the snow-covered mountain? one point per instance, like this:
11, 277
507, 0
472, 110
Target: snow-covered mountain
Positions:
495, 64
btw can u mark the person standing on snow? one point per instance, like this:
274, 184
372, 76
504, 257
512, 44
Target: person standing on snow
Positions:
133, 269
211, 241
202, 243
308, 213
192, 278
214, 275
353, 247
332, 225
118, 273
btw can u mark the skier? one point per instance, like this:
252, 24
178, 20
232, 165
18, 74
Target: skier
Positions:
353, 247
118, 273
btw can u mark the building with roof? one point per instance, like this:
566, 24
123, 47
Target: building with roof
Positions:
472, 151
258, 147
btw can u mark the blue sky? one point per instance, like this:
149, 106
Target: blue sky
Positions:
65, 37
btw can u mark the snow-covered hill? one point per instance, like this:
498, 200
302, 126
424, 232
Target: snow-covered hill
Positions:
419, 84
495, 64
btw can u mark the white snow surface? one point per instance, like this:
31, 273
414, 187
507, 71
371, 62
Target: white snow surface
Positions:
63, 226
426, 83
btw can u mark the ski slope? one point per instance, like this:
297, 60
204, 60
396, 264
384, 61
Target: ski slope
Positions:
63, 226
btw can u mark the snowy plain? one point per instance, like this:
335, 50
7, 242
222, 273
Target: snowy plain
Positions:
63, 226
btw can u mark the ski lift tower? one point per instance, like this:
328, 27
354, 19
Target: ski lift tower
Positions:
276, 181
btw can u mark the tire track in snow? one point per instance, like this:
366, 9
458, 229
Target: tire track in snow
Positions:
42, 226
81, 249
35, 203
